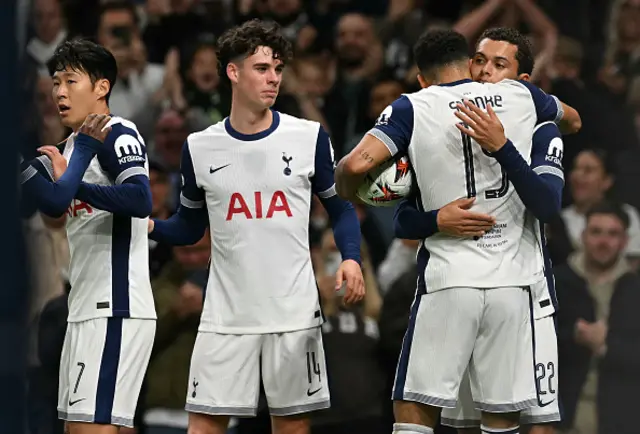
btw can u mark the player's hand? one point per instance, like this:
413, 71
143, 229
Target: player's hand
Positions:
484, 127
58, 162
94, 126
351, 273
150, 226
455, 219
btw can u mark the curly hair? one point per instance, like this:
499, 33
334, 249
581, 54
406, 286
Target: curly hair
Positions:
524, 55
243, 41
438, 48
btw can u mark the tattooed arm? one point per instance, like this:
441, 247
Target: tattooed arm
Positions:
390, 136
353, 168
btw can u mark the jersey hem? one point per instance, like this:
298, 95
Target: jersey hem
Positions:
258, 330
81, 318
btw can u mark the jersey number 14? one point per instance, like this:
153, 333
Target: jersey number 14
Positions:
470, 177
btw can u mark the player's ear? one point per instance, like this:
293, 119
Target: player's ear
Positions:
102, 87
232, 72
423, 82
524, 77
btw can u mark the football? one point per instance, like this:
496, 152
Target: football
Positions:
387, 184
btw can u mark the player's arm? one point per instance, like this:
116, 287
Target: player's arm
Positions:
123, 157
53, 198
570, 123
455, 219
342, 214
550, 108
391, 135
188, 225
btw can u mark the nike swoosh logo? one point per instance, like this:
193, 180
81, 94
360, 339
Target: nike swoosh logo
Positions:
212, 170
540, 404
72, 403
313, 392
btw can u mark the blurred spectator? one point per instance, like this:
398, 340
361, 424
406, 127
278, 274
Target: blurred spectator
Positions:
621, 64
159, 254
400, 259
170, 134
359, 62
590, 181
178, 293
49, 32
599, 115
350, 335
599, 334
138, 80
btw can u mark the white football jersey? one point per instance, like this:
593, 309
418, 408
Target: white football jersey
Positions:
257, 190
449, 165
109, 267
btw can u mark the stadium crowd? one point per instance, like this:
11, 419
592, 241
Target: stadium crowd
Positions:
352, 59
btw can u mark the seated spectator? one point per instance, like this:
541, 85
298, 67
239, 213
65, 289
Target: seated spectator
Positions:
599, 331
590, 181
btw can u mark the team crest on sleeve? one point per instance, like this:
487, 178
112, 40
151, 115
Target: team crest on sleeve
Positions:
128, 149
383, 119
555, 151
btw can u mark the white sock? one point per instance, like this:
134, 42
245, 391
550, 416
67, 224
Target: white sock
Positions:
488, 430
411, 428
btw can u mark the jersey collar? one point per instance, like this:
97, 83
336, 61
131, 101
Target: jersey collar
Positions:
455, 83
251, 137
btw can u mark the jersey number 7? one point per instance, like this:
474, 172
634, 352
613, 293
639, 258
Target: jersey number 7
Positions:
470, 177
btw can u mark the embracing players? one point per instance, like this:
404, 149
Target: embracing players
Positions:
250, 178
472, 307
505, 53
111, 322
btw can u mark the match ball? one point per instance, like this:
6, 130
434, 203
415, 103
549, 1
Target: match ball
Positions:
387, 184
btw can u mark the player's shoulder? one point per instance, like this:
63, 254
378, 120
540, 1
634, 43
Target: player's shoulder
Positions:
213, 135
121, 126
294, 124
546, 127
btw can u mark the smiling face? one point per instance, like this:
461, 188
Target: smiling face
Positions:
76, 96
256, 79
494, 61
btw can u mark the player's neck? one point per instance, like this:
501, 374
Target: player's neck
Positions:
451, 75
101, 109
247, 121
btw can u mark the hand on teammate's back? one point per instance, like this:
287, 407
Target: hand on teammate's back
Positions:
484, 127
350, 273
455, 219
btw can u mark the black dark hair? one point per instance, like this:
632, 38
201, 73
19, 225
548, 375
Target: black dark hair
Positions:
524, 55
437, 48
119, 5
82, 55
608, 165
610, 208
243, 41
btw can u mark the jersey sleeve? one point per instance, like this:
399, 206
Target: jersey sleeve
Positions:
124, 154
323, 183
548, 107
394, 126
546, 151
191, 196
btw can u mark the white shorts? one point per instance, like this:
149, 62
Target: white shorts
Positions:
103, 363
547, 409
487, 331
224, 378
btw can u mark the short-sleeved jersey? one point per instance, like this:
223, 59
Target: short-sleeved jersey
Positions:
449, 165
109, 267
257, 190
